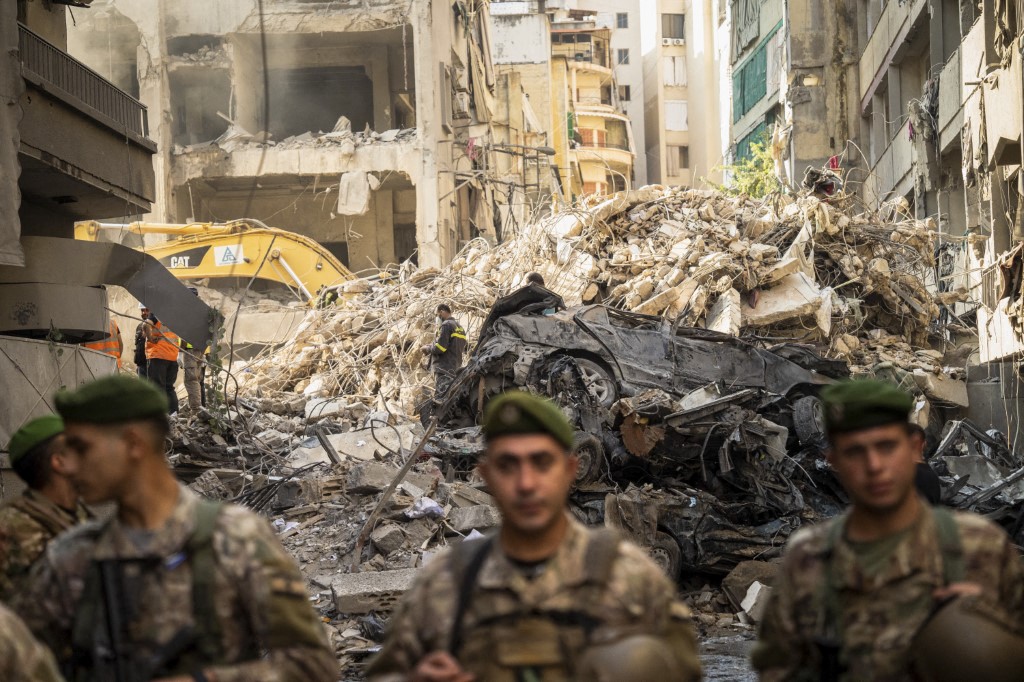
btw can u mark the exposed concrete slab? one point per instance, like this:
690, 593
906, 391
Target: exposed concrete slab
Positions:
795, 296
941, 388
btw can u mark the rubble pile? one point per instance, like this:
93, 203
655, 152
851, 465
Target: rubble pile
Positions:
792, 268
704, 445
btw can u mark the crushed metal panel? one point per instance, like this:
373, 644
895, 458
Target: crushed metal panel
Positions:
94, 264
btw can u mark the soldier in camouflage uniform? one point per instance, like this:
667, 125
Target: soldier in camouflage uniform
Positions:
534, 600
853, 593
173, 586
48, 506
22, 657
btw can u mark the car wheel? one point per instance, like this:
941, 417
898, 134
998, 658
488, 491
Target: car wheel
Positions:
590, 452
809, 420
667, 553
599, 381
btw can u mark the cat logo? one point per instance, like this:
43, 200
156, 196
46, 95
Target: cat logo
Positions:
186, 260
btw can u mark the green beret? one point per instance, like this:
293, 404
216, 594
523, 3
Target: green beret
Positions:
520, 412
863, 404
36, 432
112, 399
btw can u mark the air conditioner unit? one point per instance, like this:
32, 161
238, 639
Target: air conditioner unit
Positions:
666, 41
678, 41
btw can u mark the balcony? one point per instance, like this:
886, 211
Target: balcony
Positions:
84, 151
60, 74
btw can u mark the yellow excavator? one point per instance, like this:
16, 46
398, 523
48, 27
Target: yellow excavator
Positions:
239, 248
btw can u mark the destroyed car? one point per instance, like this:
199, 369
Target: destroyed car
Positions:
622, 354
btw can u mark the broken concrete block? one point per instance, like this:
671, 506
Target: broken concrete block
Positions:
746, 573
365, 592
725, 314
941, 388
656, 304
372, 477
387, 538
794, 297
756, 600
480, 517
318, 408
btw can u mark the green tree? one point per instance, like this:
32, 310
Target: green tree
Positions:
753, 173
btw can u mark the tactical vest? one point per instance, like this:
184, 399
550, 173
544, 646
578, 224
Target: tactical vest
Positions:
190, 649
829, 640
527, 645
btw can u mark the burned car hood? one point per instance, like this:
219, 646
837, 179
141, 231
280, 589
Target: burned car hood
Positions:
532, 299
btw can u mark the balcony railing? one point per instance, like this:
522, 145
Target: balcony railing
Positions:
590, 100
73, 79
604, 145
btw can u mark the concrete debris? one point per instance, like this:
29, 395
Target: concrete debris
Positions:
479, 517
693, 331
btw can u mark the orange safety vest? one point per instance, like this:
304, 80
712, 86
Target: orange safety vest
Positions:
165, 347
111, 345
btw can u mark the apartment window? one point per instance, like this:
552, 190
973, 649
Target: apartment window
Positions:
624, 94
675, 115
677, 158
750, 82
622, 56
673, 25
622, 20
675, 71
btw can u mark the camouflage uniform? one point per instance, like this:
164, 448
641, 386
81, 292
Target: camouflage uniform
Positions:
22, 658
637, 598
880, 612
261, 602
26, 526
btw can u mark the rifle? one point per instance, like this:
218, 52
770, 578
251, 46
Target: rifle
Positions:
113, 600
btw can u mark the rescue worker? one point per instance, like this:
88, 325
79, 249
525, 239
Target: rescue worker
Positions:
853, 593
543, 597
172, 586
448, 350
22, 657
140, 342
112, 344
193, 367
162, 358
48, 506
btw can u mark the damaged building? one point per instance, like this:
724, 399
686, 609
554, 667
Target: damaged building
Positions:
369, 127
942, 109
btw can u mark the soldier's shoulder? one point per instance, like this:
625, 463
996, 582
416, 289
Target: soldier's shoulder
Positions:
978, 533
12, 516
632, 559
811, 539
75, 545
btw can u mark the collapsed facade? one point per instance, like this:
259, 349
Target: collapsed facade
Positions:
370, 128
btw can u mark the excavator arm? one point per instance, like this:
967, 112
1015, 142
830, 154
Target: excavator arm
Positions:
241, 248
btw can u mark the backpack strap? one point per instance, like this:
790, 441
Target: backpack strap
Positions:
467, 558
200, 554
954, 567
829, 588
